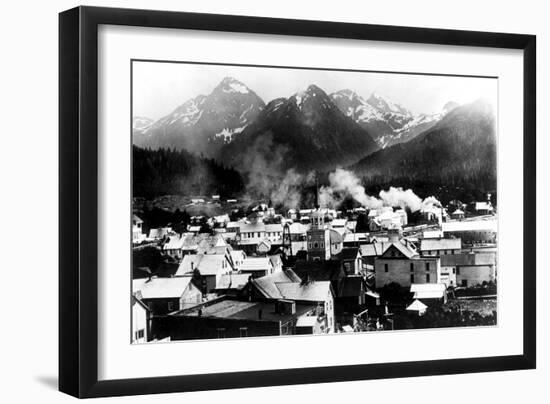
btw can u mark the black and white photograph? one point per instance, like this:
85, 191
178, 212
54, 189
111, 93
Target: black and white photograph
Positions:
279, 201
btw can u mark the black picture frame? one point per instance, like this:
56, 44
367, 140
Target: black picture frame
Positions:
78, 206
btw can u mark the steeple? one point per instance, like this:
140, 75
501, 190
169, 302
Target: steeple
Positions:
317, 199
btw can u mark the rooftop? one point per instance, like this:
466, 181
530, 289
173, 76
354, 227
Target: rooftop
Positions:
161, 288
256, 264
244, 310
207, 264
430, 244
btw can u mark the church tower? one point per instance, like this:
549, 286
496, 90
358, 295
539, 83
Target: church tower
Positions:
318, 238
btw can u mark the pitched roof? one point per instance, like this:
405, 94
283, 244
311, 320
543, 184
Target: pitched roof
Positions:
417, 305
308, 292
232, 281
160, 232
372, 250
429, 244
336, 235
207, 264
256, 264
161, 288
136, 218
348, 253
266, 284
407, 251
175, 242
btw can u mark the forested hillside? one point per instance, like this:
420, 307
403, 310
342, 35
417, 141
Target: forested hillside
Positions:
165, 171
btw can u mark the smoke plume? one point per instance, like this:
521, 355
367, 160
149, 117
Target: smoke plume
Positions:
269, 179
344, 183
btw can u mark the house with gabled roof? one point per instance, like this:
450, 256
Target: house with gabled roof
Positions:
287, 285
210, 267
164, 295
401, 263
257, 266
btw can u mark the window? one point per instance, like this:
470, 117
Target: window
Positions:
454, 271
412, 278
309, 245
322, 244
427, 278
140, 334
464, 282
316, 245
458, 271
243, 332
220, 332
385, 267
412, 267
427, 266
170, 306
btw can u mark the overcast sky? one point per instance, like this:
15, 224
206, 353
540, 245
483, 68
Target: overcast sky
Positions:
158, 88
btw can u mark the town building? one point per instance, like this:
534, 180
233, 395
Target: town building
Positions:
429, 293
435, 247
159, 233
137, 229
227, 317
483, 208
401, 263
257, 266
164, 295
468, 269
318, 238
288, 286
351, 260
210, 267
140, 320
457, 214
232, 284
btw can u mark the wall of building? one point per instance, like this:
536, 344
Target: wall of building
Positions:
139, 323
318, 244
475, 275
399, 270
183, 327
162, 306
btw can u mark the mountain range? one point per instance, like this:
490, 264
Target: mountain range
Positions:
205, 123
458, 151
312, 130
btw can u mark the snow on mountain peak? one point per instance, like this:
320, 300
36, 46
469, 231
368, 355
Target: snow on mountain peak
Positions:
231, 85
386, 105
